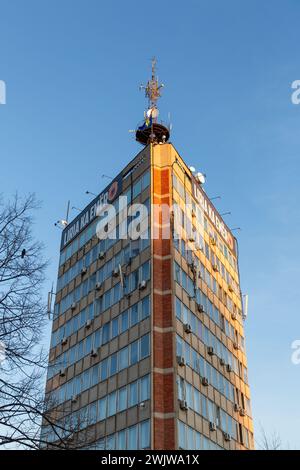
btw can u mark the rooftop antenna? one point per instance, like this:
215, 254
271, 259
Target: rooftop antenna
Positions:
90, 192
62, 223
215, 197
106, 176
76, 209
225, 213
235, 228
151, 130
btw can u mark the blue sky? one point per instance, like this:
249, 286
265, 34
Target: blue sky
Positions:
72, 70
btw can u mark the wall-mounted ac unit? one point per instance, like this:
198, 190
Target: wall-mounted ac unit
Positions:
180, 360
242, 412
212, 426
93, 353
98, 285
222, 362
204, 381
142, 285
229, 368
74, 398
116, 272
200, 308
237, 407
230, 288
215, 267
236, 345
62, 372
233, 316
101, 255
227, 436
88, 323
73, 306
183, 405
210, 350
64, 341
187, 328
83, 270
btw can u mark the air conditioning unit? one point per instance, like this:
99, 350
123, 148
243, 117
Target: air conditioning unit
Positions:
200, 308
74, 398
64, 341
212, 241
227, 436
233, 316
229, 368
210, 350
183, 405
83, 271
187, 328
191, 239
236, 345
242, 412
98, 285
142, 285
101, 255
116, 272
62, 372
215, 267
88, 323
212, 426
73, 306
230, 288
93, 353
193, 213
222, 362
204, 381
180, 361
236, 407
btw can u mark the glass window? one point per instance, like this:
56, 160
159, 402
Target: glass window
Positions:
124, 321
144, 435
104, 365
181, 435
122, 399
133, 393
102, 409
123, 358
145, 346
145, 388
132, 438
95, 374
145, 308
114, 364
110, 442
137, 188
105, 333
114, 328
134, 352
93, 413
122, 440
112, 404
134, 316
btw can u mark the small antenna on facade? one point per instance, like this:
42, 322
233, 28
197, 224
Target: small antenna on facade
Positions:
225, 213
245, 306
106, 176
235, 228
215, 197
49, 303
90, 192
76, 209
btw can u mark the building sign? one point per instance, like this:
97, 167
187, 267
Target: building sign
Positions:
110, 193
213, 216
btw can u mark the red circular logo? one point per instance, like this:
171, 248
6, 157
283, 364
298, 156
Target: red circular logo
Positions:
112, 192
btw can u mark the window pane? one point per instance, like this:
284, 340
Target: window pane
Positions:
132, 438
134, 351
122, 440
145, 346
123, 358
134, 317
145, 388
122, 399
133, 393
112, 399
145, 312
102, 409
144, 435
113, 364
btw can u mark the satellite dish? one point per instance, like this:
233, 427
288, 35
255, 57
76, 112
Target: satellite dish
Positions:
200, 178
192, 168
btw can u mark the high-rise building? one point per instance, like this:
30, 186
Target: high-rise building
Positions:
147, 347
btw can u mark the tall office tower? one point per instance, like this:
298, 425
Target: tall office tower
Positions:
147, 347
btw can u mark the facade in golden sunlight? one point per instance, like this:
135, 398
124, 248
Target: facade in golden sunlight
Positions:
147, 346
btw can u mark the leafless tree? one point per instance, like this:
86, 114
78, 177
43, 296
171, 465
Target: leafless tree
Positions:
22, 320
269, 441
